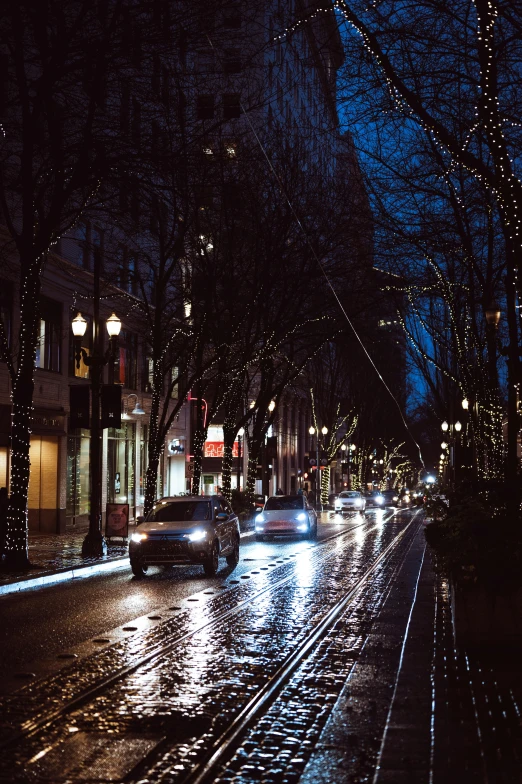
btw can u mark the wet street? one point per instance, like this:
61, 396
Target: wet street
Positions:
327, 661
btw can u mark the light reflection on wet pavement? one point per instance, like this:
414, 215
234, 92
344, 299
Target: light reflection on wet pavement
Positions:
333, 721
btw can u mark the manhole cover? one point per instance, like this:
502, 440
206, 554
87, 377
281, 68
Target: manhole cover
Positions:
94, 756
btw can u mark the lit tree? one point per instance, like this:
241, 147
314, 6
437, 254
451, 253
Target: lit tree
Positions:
58, 150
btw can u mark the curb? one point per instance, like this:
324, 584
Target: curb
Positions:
76, 573
70, 574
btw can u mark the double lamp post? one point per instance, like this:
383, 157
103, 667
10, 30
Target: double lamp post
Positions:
318, 483
94, 543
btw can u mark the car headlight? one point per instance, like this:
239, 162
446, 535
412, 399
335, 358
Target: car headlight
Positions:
197, 536
379, 499
138, 537
260, 518
395, 497
301, 516
406, 499
302, 527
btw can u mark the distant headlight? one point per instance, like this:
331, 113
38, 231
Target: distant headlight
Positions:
406, 499
197, 536
301, 516
379, 499
260, 518
395, 497
138, 537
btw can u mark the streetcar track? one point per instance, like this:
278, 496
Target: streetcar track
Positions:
33, 726
225, 745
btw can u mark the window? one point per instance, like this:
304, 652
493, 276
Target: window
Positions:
230, 149
232, 18
205, 107
82, 239
89, 241
204, 197
124, 109
125, 362
6, 300
49, 335
231, 196
132, 280
205, 62
231, 106
78, 476
147, 377
174, 380
136, 124
232, 61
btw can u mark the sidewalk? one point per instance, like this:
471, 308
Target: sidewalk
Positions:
416, 709
58, 557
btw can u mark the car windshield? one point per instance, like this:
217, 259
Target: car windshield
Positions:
282, 502
349, 494
177, 511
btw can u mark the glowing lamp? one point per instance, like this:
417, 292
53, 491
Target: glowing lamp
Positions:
79, 325
113, 326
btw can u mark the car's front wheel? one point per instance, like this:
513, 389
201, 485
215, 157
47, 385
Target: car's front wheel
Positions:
138, 569
233, 558
211, 564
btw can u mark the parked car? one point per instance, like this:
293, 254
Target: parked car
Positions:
286, 515
349, 501
187, 530
375, 499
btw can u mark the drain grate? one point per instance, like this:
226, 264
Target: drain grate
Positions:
94, 756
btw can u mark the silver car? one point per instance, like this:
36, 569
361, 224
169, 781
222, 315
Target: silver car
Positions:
350, 501
186, 530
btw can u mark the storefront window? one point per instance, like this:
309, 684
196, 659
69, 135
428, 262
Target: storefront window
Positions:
121, 484
78, 478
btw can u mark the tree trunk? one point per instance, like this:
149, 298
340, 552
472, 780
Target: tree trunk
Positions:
228, 456
151, 479
254, 449
17, 531
325, 484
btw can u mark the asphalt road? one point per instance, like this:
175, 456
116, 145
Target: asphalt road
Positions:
43, 623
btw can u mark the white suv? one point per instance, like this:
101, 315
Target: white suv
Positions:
350, 501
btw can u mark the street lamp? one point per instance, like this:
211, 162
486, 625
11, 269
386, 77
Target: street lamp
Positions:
137, 410
451, 430
492, 314
465, 404
240, 434
94, 544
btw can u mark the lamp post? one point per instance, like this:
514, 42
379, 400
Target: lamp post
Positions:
240, 434
94, 543
451, 430
318, 484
